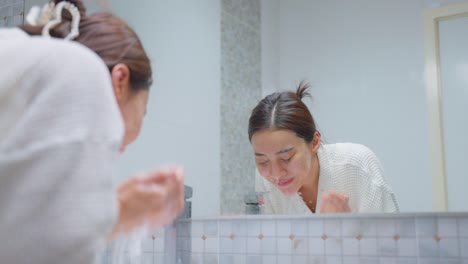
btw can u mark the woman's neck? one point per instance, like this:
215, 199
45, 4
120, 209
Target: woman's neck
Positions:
309, 190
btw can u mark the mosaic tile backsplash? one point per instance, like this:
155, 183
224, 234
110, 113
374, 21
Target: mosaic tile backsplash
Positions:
241, 90
11, 13
344, 239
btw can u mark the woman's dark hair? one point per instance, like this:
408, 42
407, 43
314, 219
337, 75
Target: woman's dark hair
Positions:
284, 110
108, 36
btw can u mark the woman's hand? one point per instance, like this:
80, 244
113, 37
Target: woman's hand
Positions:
154, 198
333, 202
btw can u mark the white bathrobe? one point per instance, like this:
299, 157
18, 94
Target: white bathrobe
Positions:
60, 131
347, 168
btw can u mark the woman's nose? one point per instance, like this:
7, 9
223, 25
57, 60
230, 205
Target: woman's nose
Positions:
278, 172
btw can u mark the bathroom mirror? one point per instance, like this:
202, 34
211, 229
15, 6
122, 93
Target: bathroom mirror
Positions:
366, 61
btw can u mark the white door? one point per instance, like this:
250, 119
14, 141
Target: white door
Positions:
453, 48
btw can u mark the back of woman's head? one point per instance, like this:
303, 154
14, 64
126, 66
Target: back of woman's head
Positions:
284, 110
108, 36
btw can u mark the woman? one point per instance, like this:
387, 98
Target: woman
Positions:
302, 175
66, 109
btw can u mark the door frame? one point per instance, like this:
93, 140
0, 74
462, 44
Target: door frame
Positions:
432, 17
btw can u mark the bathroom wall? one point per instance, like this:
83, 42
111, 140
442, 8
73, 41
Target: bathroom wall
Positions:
365, 60
421, 238
11, 13
182, 124
406, 238
240, 91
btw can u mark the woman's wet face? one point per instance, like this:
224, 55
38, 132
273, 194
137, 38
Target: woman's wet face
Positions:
283, 158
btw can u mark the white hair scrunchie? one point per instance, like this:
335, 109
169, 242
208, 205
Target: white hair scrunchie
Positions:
51, 15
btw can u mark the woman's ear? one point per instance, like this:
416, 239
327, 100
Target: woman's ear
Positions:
120, 76
315, 144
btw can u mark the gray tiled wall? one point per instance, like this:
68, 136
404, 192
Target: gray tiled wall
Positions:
240, 91
11, 13
320, 239
153, 250
418, 238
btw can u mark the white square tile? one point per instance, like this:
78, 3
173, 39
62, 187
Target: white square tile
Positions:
464, 247
225, 228
450, 261
253, 245
147, 245
284, 259
210, 228
407, 247
333, 246
300, 259
253, 228
212, 245
448, 247
447, 227
268, 245
406, 227
333, 227
226, 245
317, 260
239, 245
184, 257
387, 247
147, 258
463, 227
162, 231
101, 258
210, 259
429, 261
197, 228
254, 259
299, 227
369, 227
159, 244
426, 227
118, 257
240, 259
428, 247
198, 245
239, 228
351, 227
283, 245
300, 246
388, 260
225, 259
407, 260
368, 247
316, 228
158, 259
197, 259
283, 228
369, 260
350, 247
334, 260
269, 228
386, 227
267, 259
316, 246
351, 260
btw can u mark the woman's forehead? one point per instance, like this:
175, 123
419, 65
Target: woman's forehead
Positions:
275, 141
